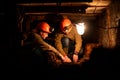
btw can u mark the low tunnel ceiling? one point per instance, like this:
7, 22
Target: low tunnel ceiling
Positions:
84, 7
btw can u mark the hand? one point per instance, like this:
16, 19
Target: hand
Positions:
75, 58
67, 59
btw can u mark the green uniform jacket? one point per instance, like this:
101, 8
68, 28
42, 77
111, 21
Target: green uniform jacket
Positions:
73, 35
41, 44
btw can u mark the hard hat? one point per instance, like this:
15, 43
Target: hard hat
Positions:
65, 24
43, 26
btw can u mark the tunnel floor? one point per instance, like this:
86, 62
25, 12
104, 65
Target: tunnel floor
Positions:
104, 63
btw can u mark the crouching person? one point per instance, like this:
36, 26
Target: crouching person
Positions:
45, 53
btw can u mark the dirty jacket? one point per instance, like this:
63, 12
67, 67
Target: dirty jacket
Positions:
73, 35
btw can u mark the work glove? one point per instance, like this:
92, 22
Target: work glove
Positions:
75, 58
67, 59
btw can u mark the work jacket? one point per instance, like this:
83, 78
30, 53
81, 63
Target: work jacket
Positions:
38, 43
72, 35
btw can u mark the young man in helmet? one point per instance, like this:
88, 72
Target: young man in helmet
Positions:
40, 47
68, 41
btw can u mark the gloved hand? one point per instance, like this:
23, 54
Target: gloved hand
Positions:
67, 59
75, 58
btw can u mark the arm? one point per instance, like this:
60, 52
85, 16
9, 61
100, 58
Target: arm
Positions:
58, 44
45, 46
78, 41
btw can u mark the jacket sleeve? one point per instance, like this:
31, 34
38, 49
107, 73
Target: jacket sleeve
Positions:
78, 41
58, 44
45, 46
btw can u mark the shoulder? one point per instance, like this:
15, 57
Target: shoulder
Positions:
33, 35
74, 27
59, 35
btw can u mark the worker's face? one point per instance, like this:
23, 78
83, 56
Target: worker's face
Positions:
44, 35
67, 29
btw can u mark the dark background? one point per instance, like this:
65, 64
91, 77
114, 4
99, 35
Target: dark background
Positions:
104, 63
